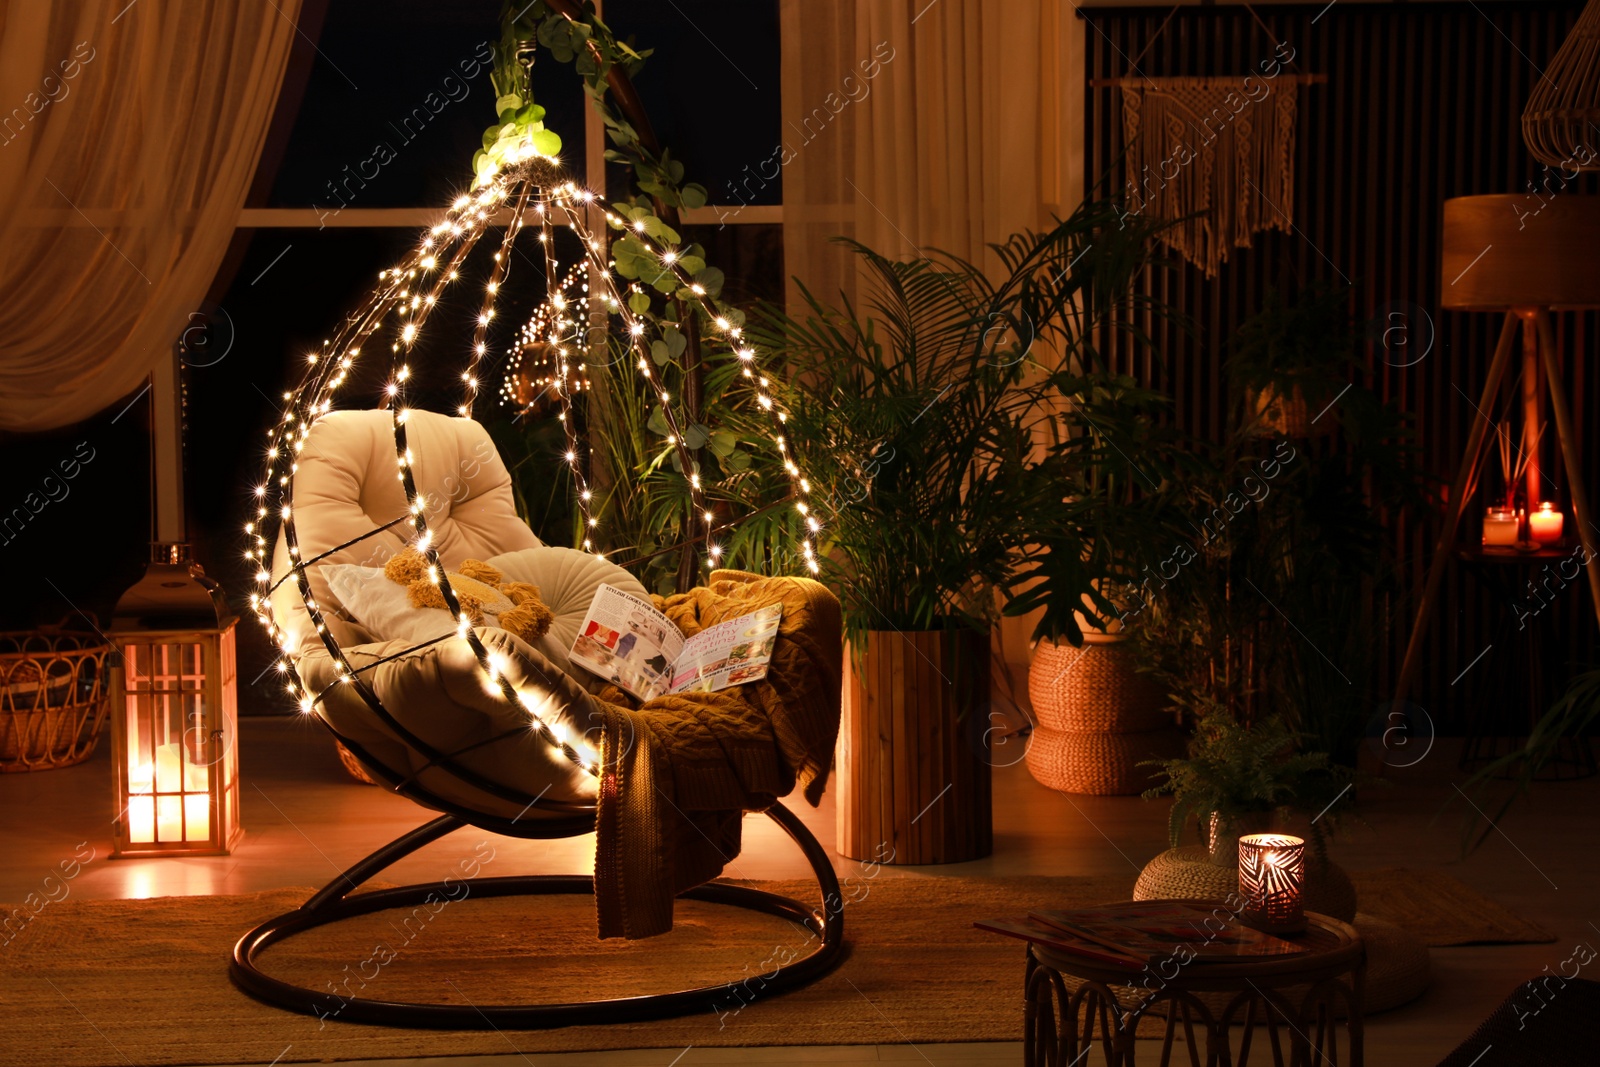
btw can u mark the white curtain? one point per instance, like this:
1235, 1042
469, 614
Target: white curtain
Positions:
911, 124
129, 134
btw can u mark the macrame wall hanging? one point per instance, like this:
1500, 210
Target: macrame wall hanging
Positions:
1214, 156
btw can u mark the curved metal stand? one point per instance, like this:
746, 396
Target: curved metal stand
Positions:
335, 902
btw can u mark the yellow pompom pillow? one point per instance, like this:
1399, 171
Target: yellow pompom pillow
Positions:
482, 591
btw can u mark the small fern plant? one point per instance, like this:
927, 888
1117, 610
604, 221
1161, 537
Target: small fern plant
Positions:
1235, 769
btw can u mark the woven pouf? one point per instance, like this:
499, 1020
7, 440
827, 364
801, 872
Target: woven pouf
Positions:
1098, 718
1398, 967
1187, 873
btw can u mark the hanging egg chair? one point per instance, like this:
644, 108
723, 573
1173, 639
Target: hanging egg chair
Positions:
376, 457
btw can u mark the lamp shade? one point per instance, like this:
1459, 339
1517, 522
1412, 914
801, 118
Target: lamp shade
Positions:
1514, 250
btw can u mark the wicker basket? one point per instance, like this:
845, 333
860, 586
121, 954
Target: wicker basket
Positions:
53, 697
353, 765
1093, 688
1092, 761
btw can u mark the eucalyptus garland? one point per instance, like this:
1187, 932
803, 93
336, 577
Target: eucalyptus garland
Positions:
725, 438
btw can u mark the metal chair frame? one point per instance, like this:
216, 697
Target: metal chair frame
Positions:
339, 900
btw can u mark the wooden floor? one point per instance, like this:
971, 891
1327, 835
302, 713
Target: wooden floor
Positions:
305, 820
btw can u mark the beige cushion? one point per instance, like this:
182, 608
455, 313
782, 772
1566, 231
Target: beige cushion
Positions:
346, 486
438, 694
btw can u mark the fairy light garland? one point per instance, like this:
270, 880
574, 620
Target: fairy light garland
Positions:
401, 307
550, 327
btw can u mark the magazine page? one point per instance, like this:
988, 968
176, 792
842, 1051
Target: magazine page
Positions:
729, 653
625, 640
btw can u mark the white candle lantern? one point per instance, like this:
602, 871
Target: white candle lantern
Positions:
1272, 870
174, 715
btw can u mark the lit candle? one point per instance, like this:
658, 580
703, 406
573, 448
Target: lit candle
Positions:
1545, 525
1272, 870
169, 800
1500, 528
141, 805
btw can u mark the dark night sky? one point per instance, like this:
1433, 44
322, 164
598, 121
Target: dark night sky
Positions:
280, 289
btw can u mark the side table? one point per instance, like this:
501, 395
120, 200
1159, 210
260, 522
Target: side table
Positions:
1286, 1011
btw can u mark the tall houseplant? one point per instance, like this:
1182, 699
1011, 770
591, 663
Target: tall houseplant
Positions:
1288, 589
1095, 716
923, 413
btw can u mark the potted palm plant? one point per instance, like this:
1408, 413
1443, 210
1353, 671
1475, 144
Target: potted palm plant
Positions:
1096, 715
923, 412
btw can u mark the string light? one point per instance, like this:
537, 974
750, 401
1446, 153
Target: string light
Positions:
398, 311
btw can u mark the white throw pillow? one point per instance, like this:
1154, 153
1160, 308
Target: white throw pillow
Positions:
567, 580
382, 606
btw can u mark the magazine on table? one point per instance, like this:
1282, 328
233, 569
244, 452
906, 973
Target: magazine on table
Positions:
1210, 931
625, 640
1029, 929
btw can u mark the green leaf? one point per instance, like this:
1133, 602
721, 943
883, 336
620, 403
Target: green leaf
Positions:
639, 302
663, 282
738, 460
692, 264
694, 196
507, 102
657, 423
531, 113
711, 280
723, 443
675, 340
696, 436
546, 142
660, 353
660, 230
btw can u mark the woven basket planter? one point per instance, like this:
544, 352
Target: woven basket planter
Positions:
1097, 718
1104, 764
53, 698
1093, 688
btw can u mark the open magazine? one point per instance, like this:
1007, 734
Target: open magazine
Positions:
625, 640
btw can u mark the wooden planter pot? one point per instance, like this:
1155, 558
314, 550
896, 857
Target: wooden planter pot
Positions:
913, 777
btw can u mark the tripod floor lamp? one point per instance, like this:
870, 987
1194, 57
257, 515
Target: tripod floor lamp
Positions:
1499, 257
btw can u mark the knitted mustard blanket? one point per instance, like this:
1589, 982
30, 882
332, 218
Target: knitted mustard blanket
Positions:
680, 771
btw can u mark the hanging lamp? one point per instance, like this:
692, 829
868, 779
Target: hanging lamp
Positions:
1563, 111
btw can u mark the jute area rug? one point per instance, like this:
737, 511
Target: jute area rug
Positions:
145, 981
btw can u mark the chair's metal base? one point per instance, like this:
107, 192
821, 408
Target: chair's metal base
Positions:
335, 902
